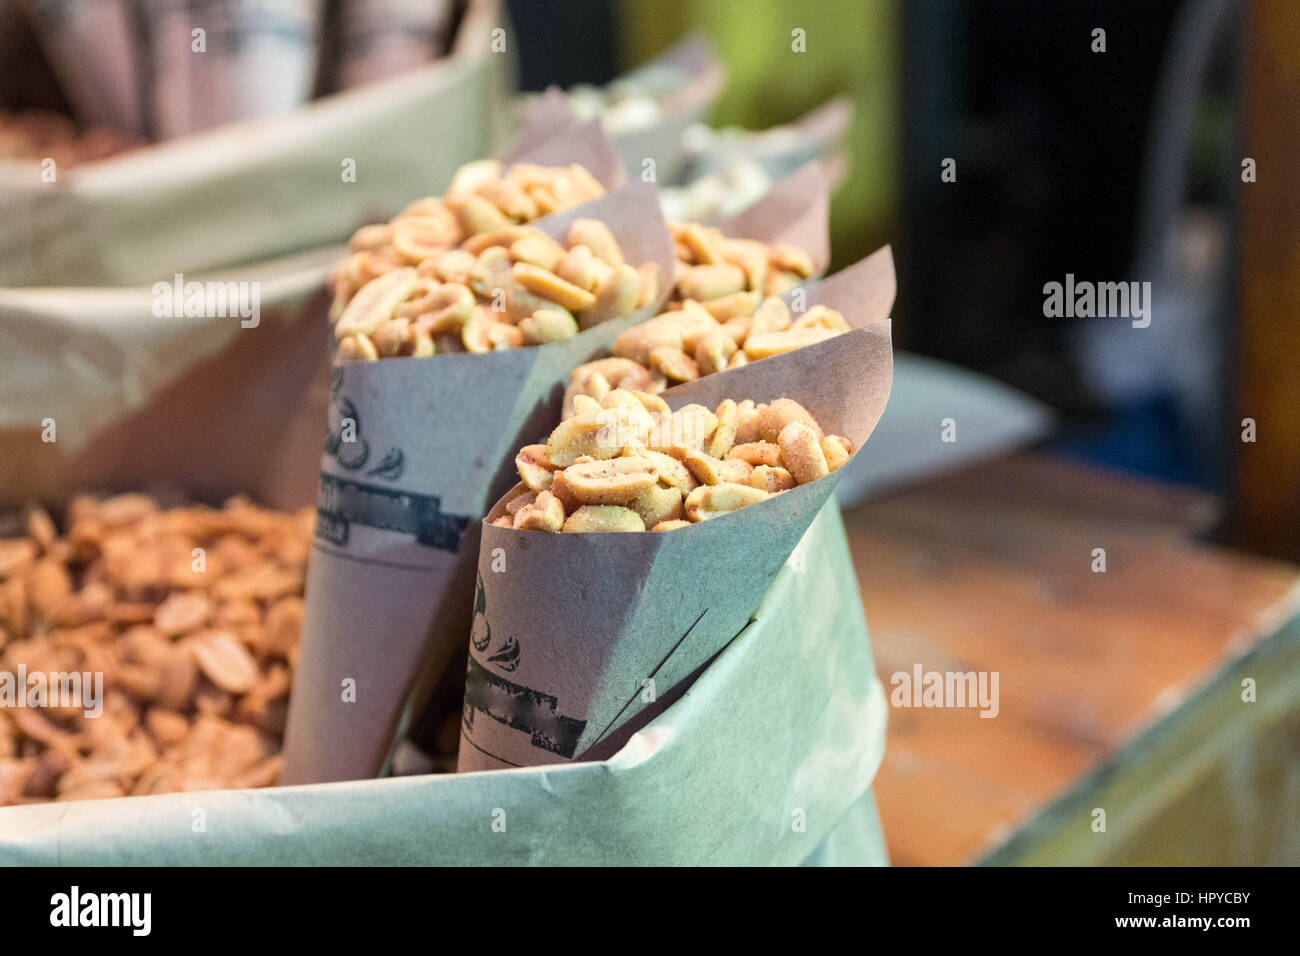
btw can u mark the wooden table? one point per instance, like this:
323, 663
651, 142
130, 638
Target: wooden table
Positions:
1119, 690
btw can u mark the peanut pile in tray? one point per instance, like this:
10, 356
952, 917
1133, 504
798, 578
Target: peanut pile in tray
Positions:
181, 626
629, 463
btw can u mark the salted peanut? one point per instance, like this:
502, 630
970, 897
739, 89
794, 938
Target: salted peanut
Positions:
371, 237
584, 382
442, 310
452, 265
636, 344
356, 348
801, 453
648, 273
724, 434
757, 453
395, 337
780, 281
539, 249
752, 258
551, 287
652, 402
671, 471
765, 345
699, 243
788, 258
619, 373
597, 237
474, 174
582, 268
710, 282
713, 351
704, 467
514, 505
712, 501
747, 422
375, 303
504, 336
687, 428
498, 238
728, 307
657, 504
772, 479
821, 317
504, 521
772, 315
475, 214
416, 238
737, 329
735, 470
225, 661
671, 525
474, 334
509, 197
586, 405
603, 518
674, 364
837, 450
544, 514
182, 612
614, 482
776, 415
616, 295
738, 360
575, 437
548, 325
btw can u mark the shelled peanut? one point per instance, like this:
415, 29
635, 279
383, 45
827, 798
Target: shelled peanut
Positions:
190, 614
730, 276
512, 287
689, 342
629, 463
483, 198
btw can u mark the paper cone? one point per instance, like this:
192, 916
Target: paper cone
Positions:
579, 638
796, 210
390, 583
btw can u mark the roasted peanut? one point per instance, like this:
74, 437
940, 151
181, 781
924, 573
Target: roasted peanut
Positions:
713, 501
602, 518
801, 452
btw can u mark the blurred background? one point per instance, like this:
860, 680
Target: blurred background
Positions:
998, 147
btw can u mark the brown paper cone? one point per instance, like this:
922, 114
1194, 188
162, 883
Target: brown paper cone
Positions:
577, 638
390, 582
796, 210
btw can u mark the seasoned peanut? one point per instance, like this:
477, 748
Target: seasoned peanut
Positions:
445, 263
195, 678
713, 501
613, 482
602, 518
659, 466
801, 453
837, 451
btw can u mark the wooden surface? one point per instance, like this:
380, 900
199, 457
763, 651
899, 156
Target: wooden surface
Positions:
1266, 511
990, 569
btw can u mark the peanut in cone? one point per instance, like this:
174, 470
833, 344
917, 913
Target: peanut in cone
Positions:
419, 449
579, 639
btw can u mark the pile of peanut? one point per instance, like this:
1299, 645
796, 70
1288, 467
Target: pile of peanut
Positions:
483, 197
504, 289
192, 617
629, 463
724, 312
